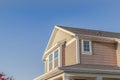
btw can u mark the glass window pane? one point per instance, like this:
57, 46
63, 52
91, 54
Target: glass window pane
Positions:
56, 58
86, 46
56, 54
56, 62
50, 58
50, 61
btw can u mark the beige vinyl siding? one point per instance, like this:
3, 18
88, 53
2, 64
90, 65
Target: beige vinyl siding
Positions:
59, 36
103, 54
70, 54
118, 54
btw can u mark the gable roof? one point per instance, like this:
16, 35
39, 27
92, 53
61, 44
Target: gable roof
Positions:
55, 30
91, 32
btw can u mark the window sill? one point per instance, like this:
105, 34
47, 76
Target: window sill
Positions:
87, 53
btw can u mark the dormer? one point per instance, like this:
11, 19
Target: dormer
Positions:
54, 51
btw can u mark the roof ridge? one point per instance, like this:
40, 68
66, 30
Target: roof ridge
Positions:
91, 32
87, 29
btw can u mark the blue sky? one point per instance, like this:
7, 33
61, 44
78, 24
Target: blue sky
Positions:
26, 25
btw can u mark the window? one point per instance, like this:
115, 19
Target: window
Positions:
53, 60
86, 47
50, 58
50, 61
56, 58
56, 54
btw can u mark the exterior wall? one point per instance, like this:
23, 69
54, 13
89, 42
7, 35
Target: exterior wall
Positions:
118, 54
70, 54
102, 54
59, 36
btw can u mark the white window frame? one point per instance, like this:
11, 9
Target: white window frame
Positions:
53, 68
51, 61
90, 46
55, 58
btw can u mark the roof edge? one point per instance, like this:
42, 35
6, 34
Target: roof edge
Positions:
86, 70
49, 74
64, 30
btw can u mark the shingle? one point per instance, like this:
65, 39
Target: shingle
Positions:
91, 32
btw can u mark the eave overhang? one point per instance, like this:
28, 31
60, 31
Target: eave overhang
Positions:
98, 38
61, 70
50, 74
89, 71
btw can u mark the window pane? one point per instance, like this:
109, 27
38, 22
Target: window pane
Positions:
56, 54
50, 66
56, 62
50, 62
56, 58
50, 58
86, 46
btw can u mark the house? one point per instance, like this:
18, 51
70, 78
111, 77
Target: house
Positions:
81, 54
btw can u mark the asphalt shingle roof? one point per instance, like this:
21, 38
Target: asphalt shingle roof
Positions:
91, 32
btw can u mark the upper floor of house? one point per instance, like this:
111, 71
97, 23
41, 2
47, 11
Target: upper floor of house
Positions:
69, 46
